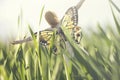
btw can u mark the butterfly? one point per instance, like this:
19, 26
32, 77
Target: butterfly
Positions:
69, 21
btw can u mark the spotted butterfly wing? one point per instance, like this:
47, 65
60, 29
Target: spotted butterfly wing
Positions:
45, 37
70, 21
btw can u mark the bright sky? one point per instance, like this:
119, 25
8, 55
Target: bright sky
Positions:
92, 11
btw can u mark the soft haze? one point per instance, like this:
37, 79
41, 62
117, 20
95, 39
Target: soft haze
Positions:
91, 12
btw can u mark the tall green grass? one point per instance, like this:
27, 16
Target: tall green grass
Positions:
96, 57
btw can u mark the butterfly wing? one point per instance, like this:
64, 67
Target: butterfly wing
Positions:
44, 37
48, 38
70, 22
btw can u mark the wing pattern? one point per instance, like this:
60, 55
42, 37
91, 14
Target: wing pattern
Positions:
70, 21
45, 37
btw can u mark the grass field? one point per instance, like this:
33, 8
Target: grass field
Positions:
97, 57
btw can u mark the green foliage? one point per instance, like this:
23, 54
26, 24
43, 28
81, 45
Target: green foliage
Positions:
97, 57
